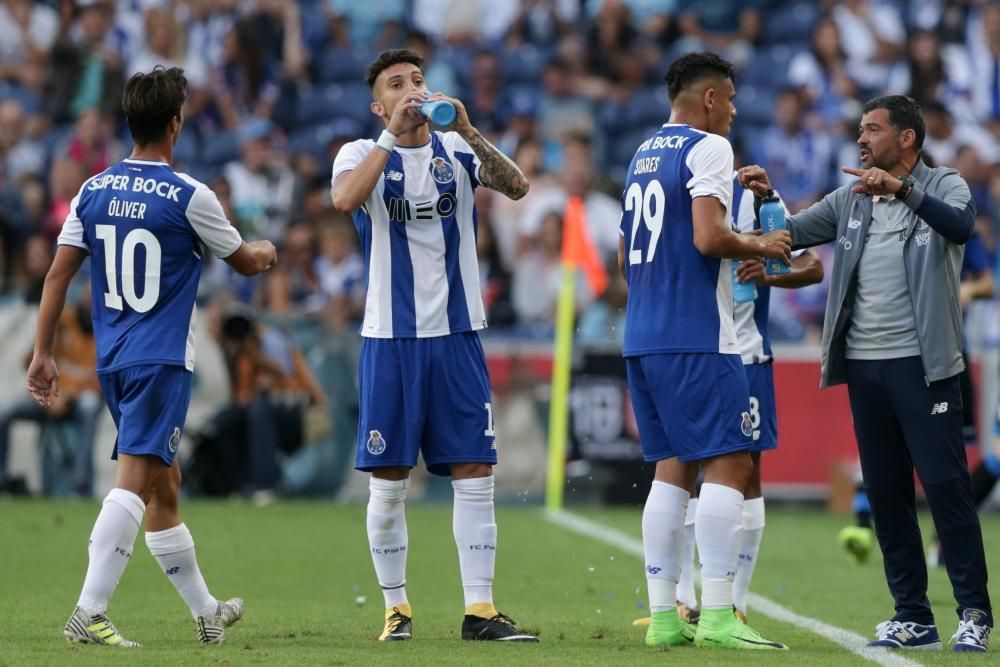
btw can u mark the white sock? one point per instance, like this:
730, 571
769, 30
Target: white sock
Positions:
662, 542
685, 585
387, 537
475, 529
111, 543
173, 549
717, 528
753, 531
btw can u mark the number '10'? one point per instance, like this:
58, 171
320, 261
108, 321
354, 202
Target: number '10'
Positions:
151, 274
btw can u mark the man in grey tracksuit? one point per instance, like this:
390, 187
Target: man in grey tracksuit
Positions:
893, 333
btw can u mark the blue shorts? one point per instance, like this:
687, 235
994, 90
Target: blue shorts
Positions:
763, 413
149, 405
429, 395
690, 406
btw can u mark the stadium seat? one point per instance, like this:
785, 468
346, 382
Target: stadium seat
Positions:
346, 66
321, 105
221, 148
789, 22
522, 66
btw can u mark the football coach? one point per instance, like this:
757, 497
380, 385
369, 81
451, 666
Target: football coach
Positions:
893, 333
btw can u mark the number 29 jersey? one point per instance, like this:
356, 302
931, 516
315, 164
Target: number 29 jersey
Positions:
679, 300
145, 226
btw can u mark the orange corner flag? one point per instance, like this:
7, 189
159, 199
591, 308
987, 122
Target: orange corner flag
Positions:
577, 248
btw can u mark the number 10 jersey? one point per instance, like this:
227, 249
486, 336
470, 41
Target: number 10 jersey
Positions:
679, 300
145, 227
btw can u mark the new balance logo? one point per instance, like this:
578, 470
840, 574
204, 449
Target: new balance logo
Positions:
652, 569
393, 176
939, 408
173, 570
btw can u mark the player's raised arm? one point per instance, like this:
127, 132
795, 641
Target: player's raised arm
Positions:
497, 171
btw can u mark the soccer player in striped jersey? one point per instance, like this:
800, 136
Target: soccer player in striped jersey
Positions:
689, 390
145, 228
424, 386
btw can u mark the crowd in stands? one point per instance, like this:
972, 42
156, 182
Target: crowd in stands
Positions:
568, 88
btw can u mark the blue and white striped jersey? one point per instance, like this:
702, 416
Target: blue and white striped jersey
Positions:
678, 299
144, 226
418, 236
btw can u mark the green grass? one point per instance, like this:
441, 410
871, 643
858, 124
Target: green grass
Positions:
301, 567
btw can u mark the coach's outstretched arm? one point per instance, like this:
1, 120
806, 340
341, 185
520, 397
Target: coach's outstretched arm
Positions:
498, 172
352, 188
43, 376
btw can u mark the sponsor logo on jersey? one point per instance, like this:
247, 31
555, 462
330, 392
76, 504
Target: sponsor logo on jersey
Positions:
175, 440
746, 424
376, 443
393, 176
442, 171
939, 408
853, 224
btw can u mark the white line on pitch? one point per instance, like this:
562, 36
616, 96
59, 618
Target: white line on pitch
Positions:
851, 641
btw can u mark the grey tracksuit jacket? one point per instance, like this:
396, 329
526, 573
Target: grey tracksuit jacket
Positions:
941, 219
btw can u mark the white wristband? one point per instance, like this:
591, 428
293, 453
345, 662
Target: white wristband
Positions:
386, 140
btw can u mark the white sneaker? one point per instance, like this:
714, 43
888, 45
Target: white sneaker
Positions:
84, 628
212, 629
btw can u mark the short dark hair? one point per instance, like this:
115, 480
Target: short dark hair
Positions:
388, 59
693, 67
151, 101
904, 114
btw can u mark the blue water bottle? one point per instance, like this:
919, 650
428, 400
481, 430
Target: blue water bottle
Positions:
772, 217
742, 292
441, 112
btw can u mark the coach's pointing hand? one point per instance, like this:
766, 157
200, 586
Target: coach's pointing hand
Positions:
874, 181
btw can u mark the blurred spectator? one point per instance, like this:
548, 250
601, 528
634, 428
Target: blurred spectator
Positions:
375, 25
65, 180
485, 102
540, 23
933, 73
293, 287
522, 124
727, 27
562, 111
463, 22
339, 267
439, 75
603, 322
494, 279
246, 85
538, 279
206, 23
798, 158
92, 145
279, 24
263, 186
38, 253
984, 55
652, 17
27, 32
944, 137
577, 178
873, 36
87, 66
277, 407
821, 77
20, 153
609, 39
507, 215
78, 402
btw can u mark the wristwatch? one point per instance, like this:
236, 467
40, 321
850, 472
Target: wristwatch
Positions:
905, 189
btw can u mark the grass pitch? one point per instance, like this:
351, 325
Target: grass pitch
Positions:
312, 599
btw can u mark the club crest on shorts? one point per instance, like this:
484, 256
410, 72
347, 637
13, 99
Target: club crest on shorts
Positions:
747, 425
175, 440
376, 443
442, 171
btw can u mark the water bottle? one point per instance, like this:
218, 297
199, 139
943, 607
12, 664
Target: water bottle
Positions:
772, 217
441, 112
742, 292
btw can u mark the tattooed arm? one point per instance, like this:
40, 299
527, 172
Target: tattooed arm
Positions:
498, 172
